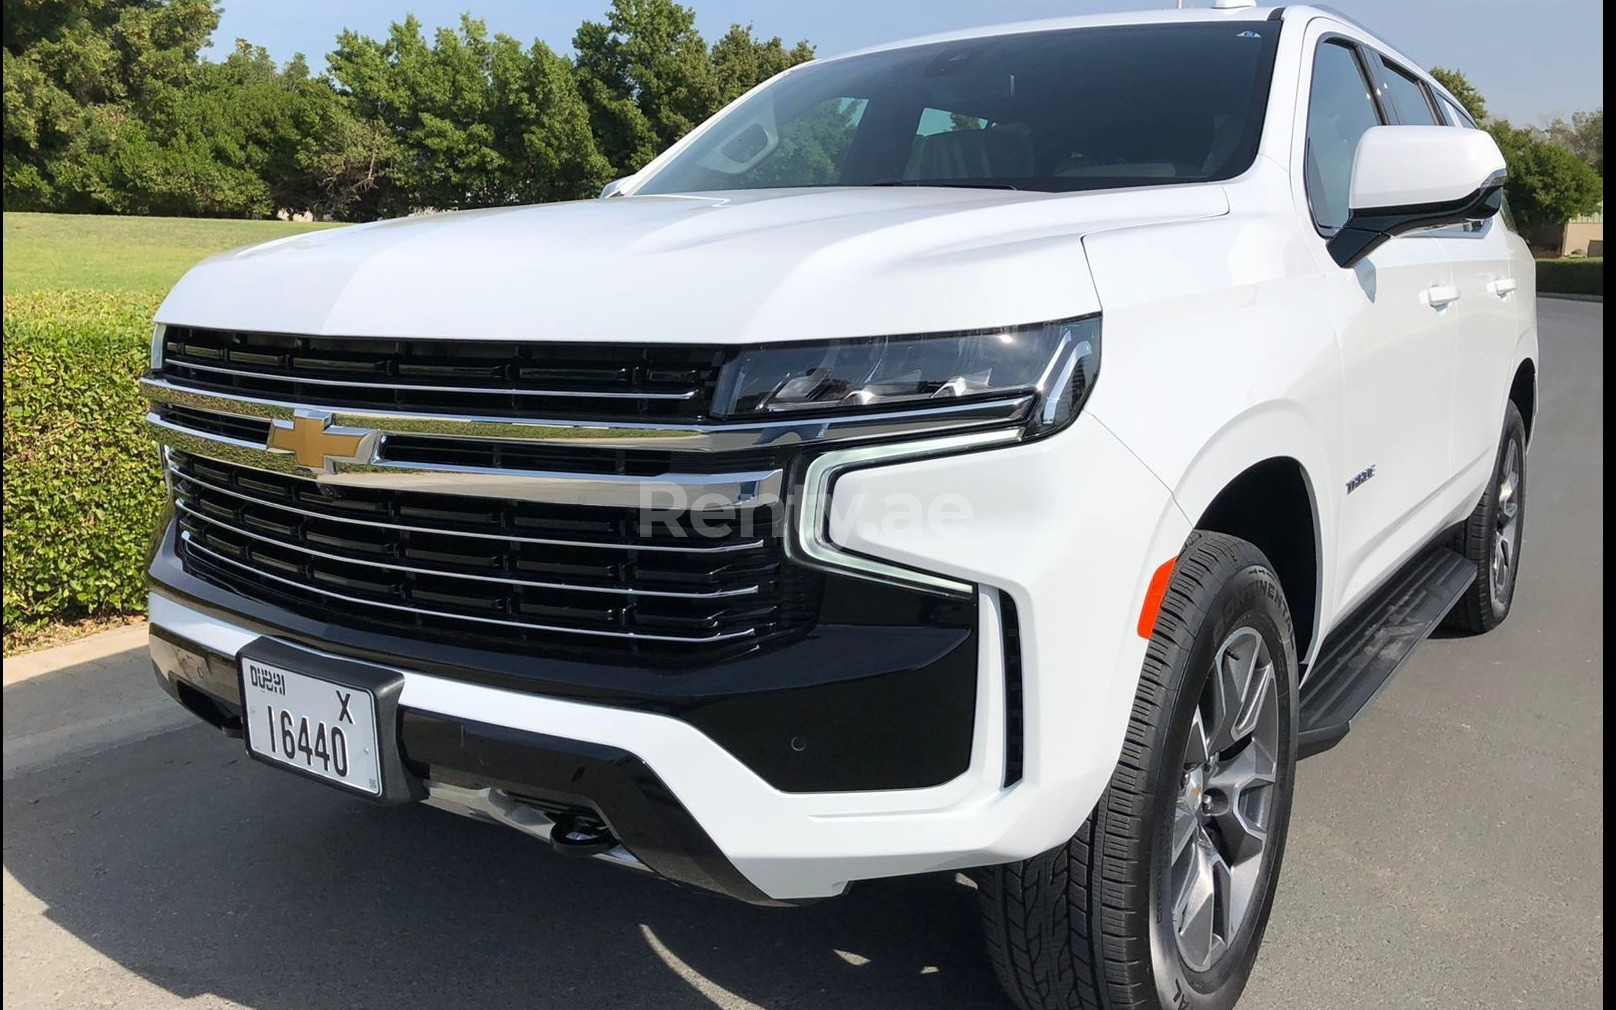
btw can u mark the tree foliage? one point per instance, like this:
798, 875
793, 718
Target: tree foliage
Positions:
81, 77
467, 120
109, 109
1583, 136
1548, 185
741, 61
1460, 87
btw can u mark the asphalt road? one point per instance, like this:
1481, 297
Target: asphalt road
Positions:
1447, 854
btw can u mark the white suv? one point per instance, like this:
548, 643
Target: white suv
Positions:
1007, 451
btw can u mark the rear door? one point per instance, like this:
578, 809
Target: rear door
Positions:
1393, 312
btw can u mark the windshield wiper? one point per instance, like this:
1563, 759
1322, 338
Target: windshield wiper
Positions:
944, 184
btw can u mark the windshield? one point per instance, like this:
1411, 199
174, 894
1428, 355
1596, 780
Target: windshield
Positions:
1085, 108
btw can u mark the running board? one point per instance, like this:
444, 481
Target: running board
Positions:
1362, 655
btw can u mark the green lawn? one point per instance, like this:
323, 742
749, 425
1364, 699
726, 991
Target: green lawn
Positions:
81, 252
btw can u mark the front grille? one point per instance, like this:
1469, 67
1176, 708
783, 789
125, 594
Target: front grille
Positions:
494, 454
500, 573
245, 429
600, 382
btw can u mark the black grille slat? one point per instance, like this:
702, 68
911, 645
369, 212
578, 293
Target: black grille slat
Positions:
602, 382
245, 429
485, 568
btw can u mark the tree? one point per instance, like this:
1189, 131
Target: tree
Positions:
1584, 137
1548, 185
742, 61
469, 120
647, 76
110, 109
80, 67
556, 158
344, 160
1461, 88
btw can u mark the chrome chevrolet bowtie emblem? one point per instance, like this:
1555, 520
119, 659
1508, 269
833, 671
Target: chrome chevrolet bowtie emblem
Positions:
315, 445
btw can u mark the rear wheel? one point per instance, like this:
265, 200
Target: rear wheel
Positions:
1491, 537
1161, 898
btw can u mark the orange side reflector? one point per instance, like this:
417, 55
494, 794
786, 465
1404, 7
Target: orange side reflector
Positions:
1154, 596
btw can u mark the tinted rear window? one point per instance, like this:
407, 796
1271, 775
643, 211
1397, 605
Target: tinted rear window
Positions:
1088, 108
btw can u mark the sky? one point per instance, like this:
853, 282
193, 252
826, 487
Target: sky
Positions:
1532, 59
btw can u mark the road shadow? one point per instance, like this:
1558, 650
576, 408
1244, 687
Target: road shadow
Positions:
203, 872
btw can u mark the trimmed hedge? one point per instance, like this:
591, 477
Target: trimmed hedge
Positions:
83, 489
1571, 276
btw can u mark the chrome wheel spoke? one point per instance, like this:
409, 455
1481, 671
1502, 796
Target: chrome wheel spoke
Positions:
1232, 672
1195, 903
1241, 787
1507, 505
1185, 824
1197, 750
1260, 683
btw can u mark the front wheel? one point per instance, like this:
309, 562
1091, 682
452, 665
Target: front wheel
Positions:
1161, 899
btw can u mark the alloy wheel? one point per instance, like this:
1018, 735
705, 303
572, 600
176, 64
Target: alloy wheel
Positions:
1506, 524
1224, 809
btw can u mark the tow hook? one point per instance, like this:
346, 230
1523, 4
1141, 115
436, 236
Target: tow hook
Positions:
580, 836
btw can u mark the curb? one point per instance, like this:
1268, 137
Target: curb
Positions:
1567, 296
86, 650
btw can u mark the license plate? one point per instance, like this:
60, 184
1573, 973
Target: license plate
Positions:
315, 726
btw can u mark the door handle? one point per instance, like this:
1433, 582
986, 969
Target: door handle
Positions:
1503, 286
1440, 295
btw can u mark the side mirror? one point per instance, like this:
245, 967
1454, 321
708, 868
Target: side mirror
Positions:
1405, 178
615, 187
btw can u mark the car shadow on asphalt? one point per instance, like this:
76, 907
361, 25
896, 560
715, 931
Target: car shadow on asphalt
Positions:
203, 872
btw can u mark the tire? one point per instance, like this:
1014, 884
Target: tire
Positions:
1492, 536
1091, 924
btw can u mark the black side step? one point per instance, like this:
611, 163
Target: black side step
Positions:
1363, 653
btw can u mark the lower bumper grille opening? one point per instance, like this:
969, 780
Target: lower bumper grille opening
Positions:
499, 573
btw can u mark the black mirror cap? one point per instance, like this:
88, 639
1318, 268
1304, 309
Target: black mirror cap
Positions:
1366, 230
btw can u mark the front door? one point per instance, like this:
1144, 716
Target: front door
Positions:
1394, 312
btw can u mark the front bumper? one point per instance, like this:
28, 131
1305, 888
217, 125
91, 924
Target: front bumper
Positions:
1067, 530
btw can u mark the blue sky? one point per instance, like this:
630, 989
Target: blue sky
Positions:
1533, 59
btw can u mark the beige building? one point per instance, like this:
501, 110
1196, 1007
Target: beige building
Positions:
1584, 236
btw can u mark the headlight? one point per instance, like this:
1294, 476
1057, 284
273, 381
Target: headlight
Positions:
1056, 362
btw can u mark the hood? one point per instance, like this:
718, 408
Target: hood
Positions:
746, 267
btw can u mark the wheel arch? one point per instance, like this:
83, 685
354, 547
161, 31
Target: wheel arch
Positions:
1262, 478
1270, 504
1523, 394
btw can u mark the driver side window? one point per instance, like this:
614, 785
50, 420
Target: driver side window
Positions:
1340, 110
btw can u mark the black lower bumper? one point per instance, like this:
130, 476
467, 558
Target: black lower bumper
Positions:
557, 776
878, 693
